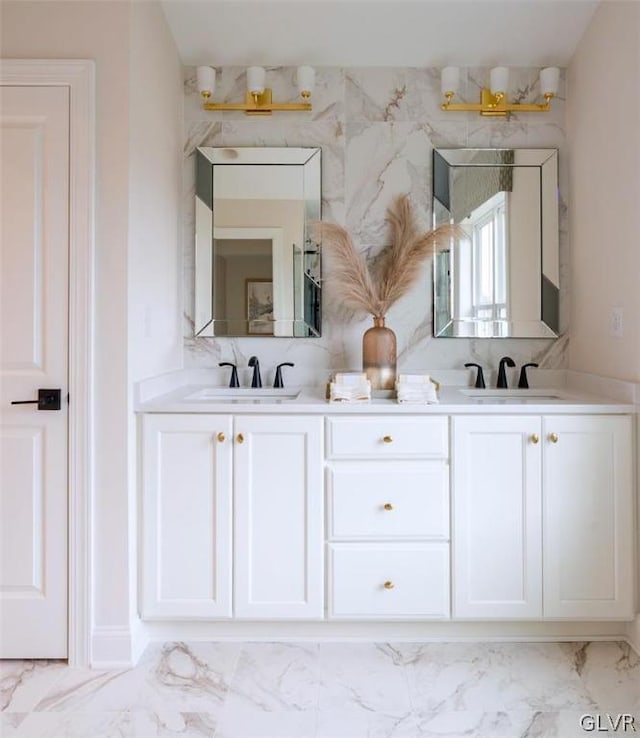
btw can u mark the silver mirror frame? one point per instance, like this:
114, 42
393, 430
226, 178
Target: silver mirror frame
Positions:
547, 324
209, 157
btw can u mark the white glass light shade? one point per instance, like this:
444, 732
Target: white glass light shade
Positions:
305, 79
255, 80
549, 80
499, 80
449, 79
206, 80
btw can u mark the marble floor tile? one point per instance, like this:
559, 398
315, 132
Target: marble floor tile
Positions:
352, 723
174, 677
23, 683
251, 722
493, 677
512, 724
136, 724
610, 673
276, 677
363, 677
330, 690
10, 722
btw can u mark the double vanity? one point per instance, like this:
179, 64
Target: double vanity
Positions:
273, 504
266, 505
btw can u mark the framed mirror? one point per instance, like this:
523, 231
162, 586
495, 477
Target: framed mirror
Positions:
503, 280
257, 271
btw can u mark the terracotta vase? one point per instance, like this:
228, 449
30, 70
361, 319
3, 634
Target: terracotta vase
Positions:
379, 355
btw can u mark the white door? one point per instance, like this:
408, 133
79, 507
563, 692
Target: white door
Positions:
588, 517
496, 536
186, 516
34, 329
278, 519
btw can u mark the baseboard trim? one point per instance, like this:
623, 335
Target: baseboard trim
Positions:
633, 635
116, 647
112, 647
386, 631
139, 640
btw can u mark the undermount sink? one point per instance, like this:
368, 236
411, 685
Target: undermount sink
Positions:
512, 395
242, 394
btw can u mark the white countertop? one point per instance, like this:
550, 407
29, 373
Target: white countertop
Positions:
453, 400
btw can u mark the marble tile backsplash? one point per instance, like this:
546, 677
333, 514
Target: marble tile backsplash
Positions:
377, 128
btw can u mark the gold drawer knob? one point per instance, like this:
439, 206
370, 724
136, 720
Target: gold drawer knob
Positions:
388, 506
389, 585
240, 438
388, 439
221, 437
535, 438
553, 437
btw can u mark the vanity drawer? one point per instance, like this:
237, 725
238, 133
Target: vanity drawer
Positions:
384, 437
393, 580
387, 500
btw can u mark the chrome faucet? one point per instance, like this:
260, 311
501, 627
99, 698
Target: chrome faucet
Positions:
502, 374
256, 380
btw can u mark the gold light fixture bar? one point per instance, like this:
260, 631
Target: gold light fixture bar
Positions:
493, 106
493, 102
254, 104
258, 98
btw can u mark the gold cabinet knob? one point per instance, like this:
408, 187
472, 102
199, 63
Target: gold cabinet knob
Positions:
388, 506
388, 585
387, 439
553, 437
240, 438
221, 437
534, 438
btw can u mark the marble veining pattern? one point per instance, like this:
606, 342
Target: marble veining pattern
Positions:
327, 690
377, 128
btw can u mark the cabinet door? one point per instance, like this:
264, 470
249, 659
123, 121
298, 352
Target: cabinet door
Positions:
496, 536
278, 521
588, 517
186, 516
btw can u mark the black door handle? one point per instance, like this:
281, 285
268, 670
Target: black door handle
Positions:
48, 399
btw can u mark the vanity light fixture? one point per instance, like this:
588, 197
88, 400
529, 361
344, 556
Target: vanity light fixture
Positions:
493, 98
258, 99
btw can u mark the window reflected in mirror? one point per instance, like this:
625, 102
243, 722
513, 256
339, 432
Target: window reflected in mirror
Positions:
503, 279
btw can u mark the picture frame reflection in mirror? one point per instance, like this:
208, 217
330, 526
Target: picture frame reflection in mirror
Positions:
259, 301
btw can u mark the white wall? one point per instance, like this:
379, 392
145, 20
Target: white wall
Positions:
604, 168
109, 32
155, 194
155, 175
603, 123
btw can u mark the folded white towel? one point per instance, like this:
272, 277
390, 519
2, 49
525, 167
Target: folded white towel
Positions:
350, 378
413, 379
423, 394
350, 393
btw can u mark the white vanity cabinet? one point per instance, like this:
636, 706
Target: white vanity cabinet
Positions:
497, 525
347, 515
542, 517
201, 562
278, 517
388, 517
186, 516
588, 517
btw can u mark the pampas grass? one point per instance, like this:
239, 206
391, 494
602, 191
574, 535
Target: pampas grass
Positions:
398, 267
